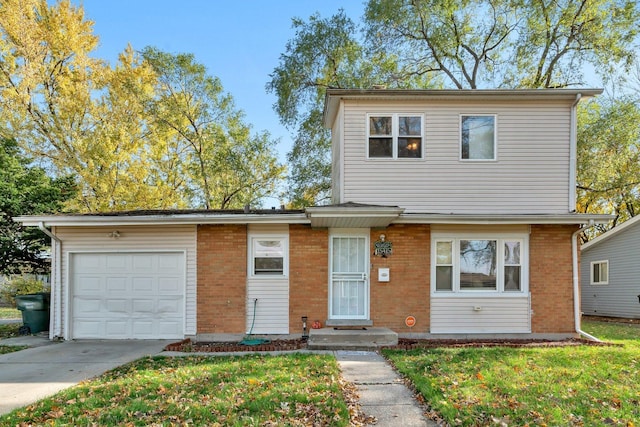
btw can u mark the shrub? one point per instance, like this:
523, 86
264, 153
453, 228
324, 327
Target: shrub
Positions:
19, 286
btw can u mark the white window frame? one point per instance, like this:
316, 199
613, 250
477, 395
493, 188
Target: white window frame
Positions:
395, 129
500, 239
285, 255
599, 282
495, 137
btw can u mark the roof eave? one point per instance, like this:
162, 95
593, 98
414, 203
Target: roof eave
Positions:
612, 232
195, 219
567, 219
333, 96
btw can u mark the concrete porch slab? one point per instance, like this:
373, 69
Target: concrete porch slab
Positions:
351, 339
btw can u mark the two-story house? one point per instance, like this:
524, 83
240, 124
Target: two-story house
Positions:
453, 215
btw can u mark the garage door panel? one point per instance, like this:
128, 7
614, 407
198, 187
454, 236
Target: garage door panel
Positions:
170, 328
87, 306
115, 328
117, 307
144, 306
169, 306
145, 263
142, 284
170, 285
116, 262
127, 295
89, 284
116, 284
143, 328
88, 328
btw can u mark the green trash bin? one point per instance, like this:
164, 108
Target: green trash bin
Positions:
35, 311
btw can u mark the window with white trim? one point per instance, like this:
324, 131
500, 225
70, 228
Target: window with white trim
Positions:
600, 272
269, 256
473, 264
477, 137
394, 136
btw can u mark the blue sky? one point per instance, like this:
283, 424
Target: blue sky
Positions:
240, 42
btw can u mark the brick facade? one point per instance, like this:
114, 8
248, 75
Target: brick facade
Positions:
407, 291
222, 279
551, 278
308, 275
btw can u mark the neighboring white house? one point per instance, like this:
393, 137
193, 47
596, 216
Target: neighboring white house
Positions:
610, 272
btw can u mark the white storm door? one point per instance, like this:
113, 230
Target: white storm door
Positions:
349, 287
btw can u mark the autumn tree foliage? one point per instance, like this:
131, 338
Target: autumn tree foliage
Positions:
147, 132
461, 44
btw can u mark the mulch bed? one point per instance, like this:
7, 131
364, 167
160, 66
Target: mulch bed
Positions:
187, 346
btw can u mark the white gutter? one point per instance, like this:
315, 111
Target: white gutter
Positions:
56, 288
488, 219
573, 150
188, 219
576, 288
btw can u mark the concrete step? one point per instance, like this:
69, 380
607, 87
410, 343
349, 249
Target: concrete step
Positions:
351, 338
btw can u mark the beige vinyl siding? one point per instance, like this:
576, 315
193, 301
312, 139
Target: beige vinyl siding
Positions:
530, 175
460, 315
272, 293
133, 238
336, 159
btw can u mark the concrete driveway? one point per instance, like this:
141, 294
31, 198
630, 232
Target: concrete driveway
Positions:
29, 375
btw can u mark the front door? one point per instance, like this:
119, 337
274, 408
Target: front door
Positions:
349, 283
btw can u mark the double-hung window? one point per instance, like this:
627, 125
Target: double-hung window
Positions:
269, 256
600, 273
395, 136
478, 137
479, 264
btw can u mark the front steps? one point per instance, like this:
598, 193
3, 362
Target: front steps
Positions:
362, 338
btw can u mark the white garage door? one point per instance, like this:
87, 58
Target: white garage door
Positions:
127, 295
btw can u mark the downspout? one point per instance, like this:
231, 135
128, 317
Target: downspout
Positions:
573, 149
56, 287
576, 288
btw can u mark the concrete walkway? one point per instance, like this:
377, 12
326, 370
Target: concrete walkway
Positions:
47, 367
382, 392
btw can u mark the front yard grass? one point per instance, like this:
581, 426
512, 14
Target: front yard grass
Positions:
10, 313
567, 386
254, 390
10, 330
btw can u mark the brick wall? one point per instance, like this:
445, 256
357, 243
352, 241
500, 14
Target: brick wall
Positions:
222, 278
407, 292
551, 278
308, 275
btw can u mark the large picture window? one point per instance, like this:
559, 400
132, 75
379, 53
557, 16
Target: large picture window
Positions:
478, 137
600, 273
479, 264
395, 136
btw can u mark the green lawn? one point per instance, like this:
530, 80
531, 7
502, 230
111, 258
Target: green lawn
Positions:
10, 313
254, 390
567, 386
8, 331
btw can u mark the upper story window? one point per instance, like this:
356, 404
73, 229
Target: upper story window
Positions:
600, 273
395, 136
478, 137
479, 264
269, 256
